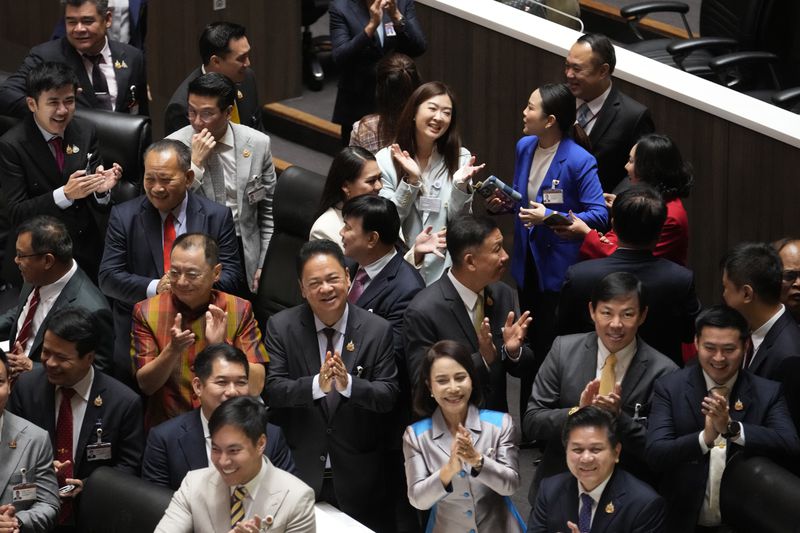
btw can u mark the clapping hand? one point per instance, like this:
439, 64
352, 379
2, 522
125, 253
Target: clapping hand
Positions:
407, 163
514, 333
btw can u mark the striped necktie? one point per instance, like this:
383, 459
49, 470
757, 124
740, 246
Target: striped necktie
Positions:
237, 504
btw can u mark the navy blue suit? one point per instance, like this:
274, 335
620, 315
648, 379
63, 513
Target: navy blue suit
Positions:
676, 420
177, 446
133, 257
626, 505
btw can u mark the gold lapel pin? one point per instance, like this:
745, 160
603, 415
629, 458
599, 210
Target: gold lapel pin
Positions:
68, 149
12, 445
239, 95
246, 153
738, 405
117, 64
98, 402
350, 346
573, 410
610, 508
489, 301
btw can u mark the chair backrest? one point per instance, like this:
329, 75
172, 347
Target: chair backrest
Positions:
738, 19
123, 139
297, 196
115, 501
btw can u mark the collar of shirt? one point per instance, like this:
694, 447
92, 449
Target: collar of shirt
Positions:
624, 358
375, 268
710, 383
595, 493
757, 337
1, 424
468, 296
45, 134
339, 326
596, 104
227, 139
83, 387
48, 292
179, 213
206, 434
253, 484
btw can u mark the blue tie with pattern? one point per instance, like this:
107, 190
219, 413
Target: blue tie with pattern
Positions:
585, 514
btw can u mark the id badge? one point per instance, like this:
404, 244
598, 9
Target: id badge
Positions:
98, 452
388, 29
24, 492
256, 195
553, 196
431, 204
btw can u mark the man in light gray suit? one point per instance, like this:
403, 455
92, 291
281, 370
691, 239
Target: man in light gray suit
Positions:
25, 447
232, 165
611, 368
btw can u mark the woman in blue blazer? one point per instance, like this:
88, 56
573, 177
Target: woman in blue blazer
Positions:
557, 178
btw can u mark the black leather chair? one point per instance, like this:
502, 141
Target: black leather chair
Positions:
115, 502
297, 196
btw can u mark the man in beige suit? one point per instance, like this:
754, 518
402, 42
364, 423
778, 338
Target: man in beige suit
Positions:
243, 492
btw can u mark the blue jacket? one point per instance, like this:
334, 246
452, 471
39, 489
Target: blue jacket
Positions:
576, 170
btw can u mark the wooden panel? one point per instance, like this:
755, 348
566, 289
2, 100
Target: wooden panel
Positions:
19, 32
746, 184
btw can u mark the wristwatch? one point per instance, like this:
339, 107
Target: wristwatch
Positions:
733, 430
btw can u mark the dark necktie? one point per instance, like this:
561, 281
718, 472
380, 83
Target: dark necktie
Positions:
58, 149
585, 515
169, 239
331, 398
26, 330
584, 115
748, 358
64, 449
358, 286
99, 82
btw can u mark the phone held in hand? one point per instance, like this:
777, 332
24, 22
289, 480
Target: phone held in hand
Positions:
557, 219
493, 187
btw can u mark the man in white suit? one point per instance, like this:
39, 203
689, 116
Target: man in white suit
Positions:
232, 165
25, 456
243, 492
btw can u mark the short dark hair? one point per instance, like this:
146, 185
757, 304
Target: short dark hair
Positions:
722, 317
619, 285
591, 416
756, 264
602, 46
638, 214
216, 37
243, 412
48, 76
465, 232
182, 152
659, 163
101, 5
345, 168
314, 248
424, 405
48, 235
204, 362
214, 85
4, 362
75, 325
199, 240
377, 214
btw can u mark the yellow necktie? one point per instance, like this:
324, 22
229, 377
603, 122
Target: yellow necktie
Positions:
608, 377
235, 114
478, 314
237, 505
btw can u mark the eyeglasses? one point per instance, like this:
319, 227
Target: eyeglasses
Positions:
789, 276
23, 256
191, 275
205, 116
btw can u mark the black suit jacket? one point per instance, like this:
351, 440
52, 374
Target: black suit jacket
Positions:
626, 504
177, 446
78, 292
619, 125
676, 421
354, 434
356, 54
133, 257
130, 74
248, 105
438, 313
29, 177
671, 299
117, 406
568, 367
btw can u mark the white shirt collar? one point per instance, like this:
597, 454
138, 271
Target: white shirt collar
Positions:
253, 484
373, 269
468, 296
46, 134
340, 324
757, 337
179, 212
710, 383
54, 289
84, 386
227, 139
595, 493
624, 356
596, 104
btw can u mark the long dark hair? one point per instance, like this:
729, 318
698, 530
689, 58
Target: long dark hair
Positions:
659, 163
557, 100
346, 167
448, 145
423, 404
396, 79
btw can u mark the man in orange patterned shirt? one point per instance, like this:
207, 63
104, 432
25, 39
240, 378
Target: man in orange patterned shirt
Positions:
169, 329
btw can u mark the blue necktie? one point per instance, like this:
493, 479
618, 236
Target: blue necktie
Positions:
585, 514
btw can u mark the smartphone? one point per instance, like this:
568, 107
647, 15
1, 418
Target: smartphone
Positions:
66, 489
493, 187
557, 219
90, 168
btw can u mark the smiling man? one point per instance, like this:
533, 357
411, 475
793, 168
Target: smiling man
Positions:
611, 368
703, 414
595, 495
111, 74
242, 492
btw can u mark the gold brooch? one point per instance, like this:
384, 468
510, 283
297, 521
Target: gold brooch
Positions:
98, 402
239, 95
12, 445
738, 405
350, 346
246, 153
573, 410
120, 64
72, 149
610, 508
489, 301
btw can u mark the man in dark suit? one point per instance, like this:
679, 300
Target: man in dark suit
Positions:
613, 120
183, 443
53, 281
611, 368
112, 75
789, 251
141, 232
361, 34
470, 304
128, 22
224, 48
44, 160
704, 413
595, 496
638, 215
332, 377
99, 420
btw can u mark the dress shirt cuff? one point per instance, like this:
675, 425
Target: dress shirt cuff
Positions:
152, 288
316, 390
103, 199
199, 172
505, 353
703, 446
61, 199
485, 363
349, 389
740, 437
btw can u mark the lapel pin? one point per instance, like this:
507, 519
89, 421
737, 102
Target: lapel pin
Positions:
610, 508
350, 346
489, 301
246, 153
98, 402
68, 149
359, 370
239, 95
12, 445
573, 410
738, 405
120, 64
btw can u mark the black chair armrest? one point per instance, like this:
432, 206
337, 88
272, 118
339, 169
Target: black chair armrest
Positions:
682, 48
786, 98
641, 9
737, 59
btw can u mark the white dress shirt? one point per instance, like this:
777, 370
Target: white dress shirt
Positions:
594, 494
79, 402
252, 487
757, 337
594, 108
48, 294
179, 213
624, 358
375, 268
107, 67
338, 345
226, 158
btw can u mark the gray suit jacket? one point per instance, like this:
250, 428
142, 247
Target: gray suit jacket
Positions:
24, 445
203, 503
568, 367
254, 169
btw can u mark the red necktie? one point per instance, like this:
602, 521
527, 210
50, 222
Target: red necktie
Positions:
169, 239
27, 326
748, 357
64, 449
58, 148
358, 286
